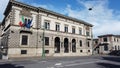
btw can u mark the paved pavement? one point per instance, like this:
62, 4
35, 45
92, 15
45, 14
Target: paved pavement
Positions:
64, 62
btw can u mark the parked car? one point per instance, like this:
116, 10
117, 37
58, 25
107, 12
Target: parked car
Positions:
115, 53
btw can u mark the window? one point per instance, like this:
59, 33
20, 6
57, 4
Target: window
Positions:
57, 27
66, 28
105, 39
81, 50
106, 47
47, 25
24, 40
117, 40
23, 51
114, 39
88, 50
88, 44
80, 31
46, 40
46, 51
73, 30
88, 33
80, 43
96, 42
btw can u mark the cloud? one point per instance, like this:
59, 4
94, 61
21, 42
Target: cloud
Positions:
3, 4
105, 20
47, 6
50, 7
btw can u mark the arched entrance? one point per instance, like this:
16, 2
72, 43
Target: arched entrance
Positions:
66, 46
73, 45
57, 45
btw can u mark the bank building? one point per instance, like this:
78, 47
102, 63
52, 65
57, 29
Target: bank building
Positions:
29, 31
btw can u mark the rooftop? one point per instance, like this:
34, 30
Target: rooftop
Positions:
109, 35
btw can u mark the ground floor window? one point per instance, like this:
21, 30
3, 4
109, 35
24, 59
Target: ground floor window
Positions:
73, 45
88, 50
106, 47
81, 50
46, 51
23, 51
24, 40
47, 41
66, 45
57, 45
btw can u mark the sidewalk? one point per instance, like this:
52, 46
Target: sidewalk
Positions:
46, 58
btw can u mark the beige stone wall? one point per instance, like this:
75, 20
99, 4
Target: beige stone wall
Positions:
35, 34
34, 48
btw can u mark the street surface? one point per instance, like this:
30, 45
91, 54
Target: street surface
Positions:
64, 62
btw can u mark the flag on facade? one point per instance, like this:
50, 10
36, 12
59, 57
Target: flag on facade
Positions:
21, 23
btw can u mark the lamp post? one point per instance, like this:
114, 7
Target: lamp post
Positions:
43, 43
90, 9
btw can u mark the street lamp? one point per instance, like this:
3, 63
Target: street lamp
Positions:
43, 43
90, 9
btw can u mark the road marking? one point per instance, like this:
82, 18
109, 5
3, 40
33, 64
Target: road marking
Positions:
50, 67
78, 61
42, 61
83, 63
57, 64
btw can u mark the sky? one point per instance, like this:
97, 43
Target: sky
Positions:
105, 14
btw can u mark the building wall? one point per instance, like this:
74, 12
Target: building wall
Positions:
112, 42
0, 33
13, 34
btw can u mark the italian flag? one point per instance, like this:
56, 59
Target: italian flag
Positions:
22, 22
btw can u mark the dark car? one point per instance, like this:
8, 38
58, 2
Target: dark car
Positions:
115, 53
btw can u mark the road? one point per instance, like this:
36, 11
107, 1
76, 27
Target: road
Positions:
65, 62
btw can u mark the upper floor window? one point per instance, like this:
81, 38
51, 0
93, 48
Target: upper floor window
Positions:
73, 30
114, 39
46, 40
57, 27
66, 28
47, 25
80, 43
80, 31
88, 33
105, 39
96, 42
24, 40
117, 40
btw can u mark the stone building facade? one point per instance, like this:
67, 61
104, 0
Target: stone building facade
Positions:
29, 31
107, 43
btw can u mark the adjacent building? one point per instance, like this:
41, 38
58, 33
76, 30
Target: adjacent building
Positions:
29, 31
0, 33
107, 43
